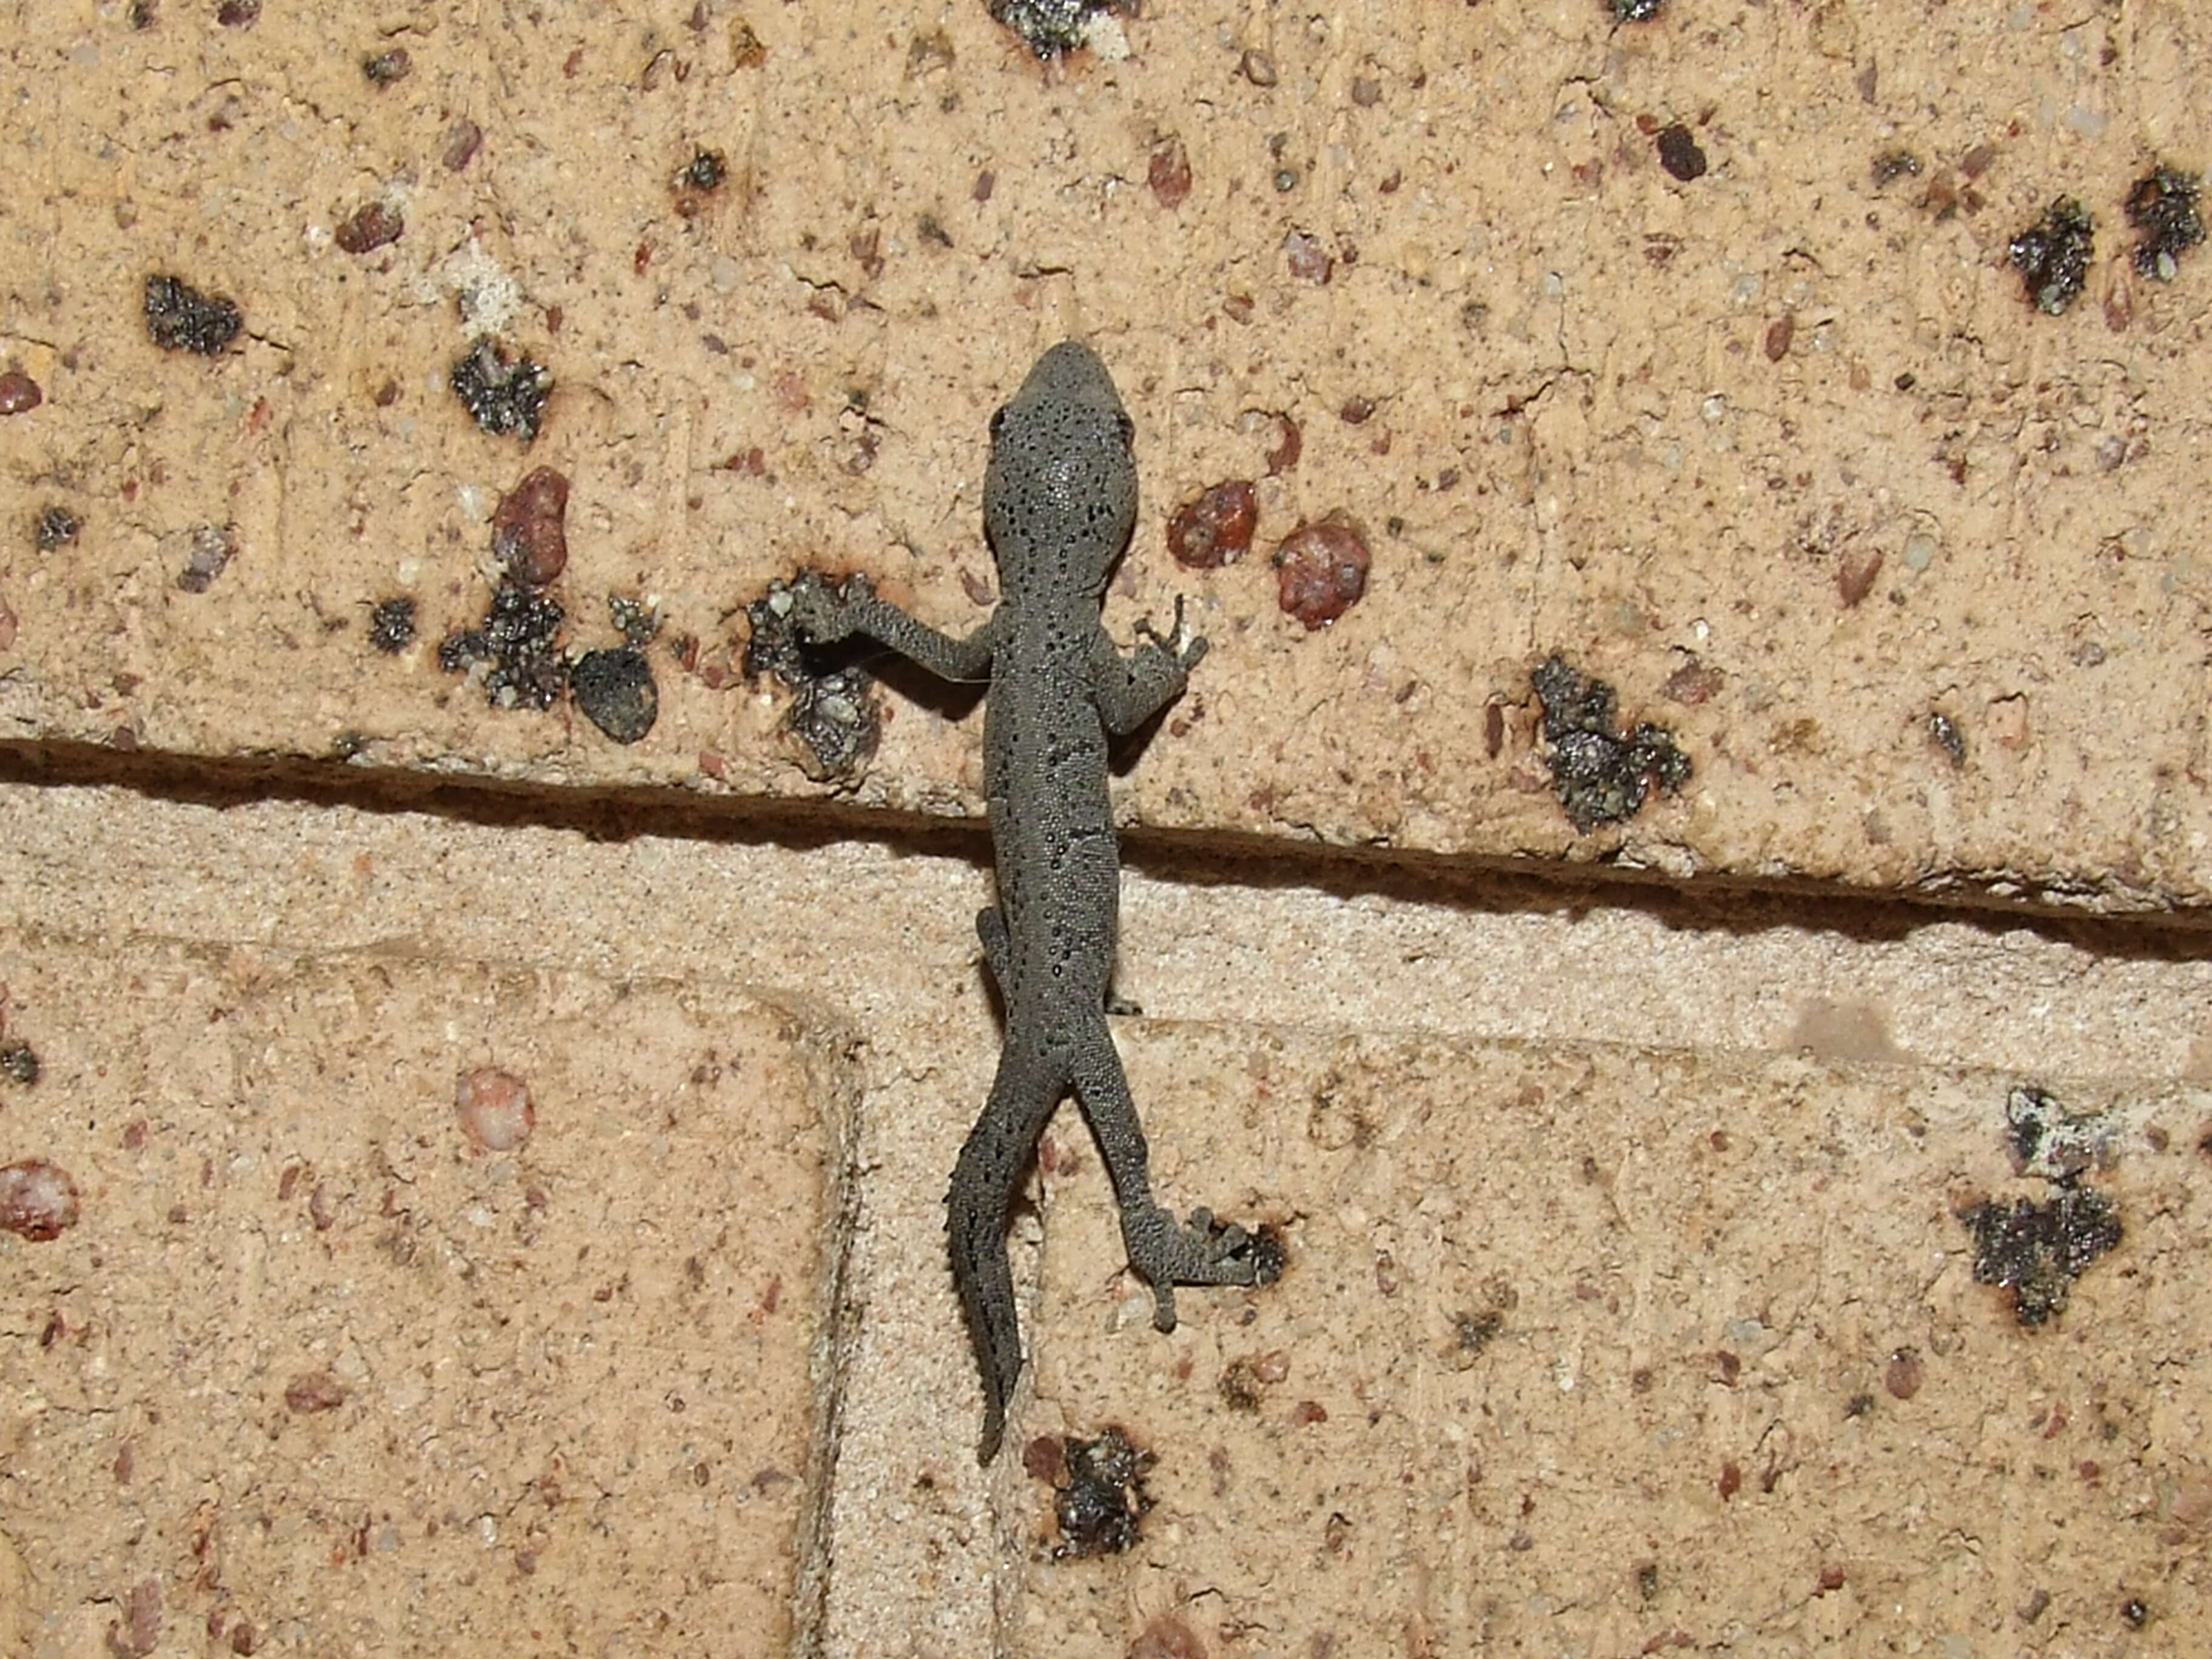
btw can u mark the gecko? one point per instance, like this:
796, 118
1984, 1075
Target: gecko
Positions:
1059, 501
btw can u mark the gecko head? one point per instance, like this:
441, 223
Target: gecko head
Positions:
1060, 498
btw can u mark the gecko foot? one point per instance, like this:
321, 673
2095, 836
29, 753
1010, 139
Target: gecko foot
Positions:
1179, 642
821, 616
1167, 1253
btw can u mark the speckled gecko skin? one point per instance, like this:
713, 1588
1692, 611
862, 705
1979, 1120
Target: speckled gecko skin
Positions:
1059, 499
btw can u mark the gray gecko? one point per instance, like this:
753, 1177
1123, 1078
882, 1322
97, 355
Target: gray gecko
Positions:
1059, 499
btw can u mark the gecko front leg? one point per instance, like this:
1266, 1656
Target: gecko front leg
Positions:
1130, 690
825, 618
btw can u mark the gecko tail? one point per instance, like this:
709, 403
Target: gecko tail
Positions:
1027, 1087
985, 1278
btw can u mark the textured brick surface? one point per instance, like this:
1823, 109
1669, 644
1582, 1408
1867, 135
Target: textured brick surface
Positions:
1780, 451
323, 1373
1588, 1351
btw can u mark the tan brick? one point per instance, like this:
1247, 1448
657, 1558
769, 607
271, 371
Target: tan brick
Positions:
314, 1364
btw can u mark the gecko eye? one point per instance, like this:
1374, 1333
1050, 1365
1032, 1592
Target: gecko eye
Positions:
998, 419
1126, 427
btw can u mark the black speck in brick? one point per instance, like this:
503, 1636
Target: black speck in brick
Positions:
1473, 1332
182, 319
1894, 164
705, 171
519, 641
19, 1063
637, 622
1051, 27
503, 394
2162, 205
2038, 1251
208, 549
1679, 153
698, 179
1600, 775
1104, 1501
387, 68
774, 647
838, 722
1943, 732
58, 527
835, 715
2051, 1142
391, 625
1265, 1248
615, 691
2053, 257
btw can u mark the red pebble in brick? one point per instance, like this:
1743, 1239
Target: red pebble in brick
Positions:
1308, 258
19, 393
314, 1391
37, 1200
369, 229
496, 1108
1321, 571
1904, 1374
1217, 528
529, 534
1169, 173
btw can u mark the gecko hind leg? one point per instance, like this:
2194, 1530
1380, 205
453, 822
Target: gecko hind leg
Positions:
1022, 1096
998, 947
1164, 1251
